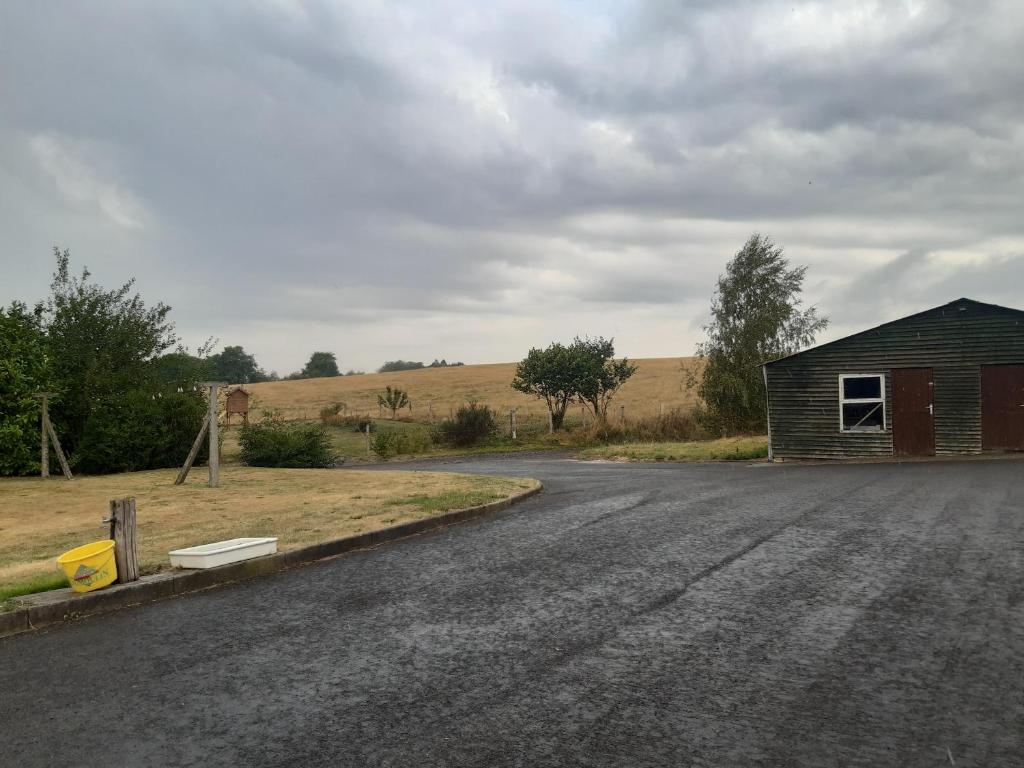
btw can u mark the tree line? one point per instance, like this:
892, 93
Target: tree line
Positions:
128, 395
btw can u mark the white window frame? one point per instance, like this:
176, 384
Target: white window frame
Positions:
844, 400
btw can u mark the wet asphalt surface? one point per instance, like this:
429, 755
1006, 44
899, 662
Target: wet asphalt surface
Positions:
631, 615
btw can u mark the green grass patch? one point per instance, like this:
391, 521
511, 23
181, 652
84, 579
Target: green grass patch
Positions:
725, 449
41, 583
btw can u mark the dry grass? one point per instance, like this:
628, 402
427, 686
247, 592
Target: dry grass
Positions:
657, 381
40, 519
725, 449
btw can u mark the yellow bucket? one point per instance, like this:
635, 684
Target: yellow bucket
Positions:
89, 567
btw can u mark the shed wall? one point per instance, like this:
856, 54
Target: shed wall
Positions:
804, 389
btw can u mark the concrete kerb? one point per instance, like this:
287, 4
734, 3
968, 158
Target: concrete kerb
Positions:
55, 607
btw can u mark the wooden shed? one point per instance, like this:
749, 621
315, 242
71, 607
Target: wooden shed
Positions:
949, 380
237, 403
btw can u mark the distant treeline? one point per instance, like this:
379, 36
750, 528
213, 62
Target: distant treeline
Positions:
411, 365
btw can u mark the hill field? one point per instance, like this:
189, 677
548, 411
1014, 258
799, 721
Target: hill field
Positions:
438, 391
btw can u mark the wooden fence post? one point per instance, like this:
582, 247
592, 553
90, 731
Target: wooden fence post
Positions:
214, 438
209, 427
367, 437
123, 531
44, 443
48, 434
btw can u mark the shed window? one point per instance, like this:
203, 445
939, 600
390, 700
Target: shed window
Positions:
862, 402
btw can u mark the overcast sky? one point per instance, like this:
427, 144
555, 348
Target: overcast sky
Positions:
460, 179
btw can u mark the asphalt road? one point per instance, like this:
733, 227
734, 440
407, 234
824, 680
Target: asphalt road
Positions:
632, 615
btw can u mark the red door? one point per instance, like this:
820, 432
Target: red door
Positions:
1002, 407
913, 412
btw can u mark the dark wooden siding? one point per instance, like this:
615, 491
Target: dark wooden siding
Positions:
954, 340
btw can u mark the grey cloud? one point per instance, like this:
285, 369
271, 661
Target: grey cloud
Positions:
420, 170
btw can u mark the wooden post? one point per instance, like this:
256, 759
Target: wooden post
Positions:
56, 446
213, 432
44, 441
193, 452
367, 437
209, 427
622, 413
48, 434
512, 422
551, 422
123, 531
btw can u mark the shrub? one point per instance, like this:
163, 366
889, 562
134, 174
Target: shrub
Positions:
384, 444
387, 443
140, 431
275, 443
675, 426
471, 424
331, 411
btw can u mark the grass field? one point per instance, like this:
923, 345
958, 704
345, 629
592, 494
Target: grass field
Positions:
725, 449
657, 381
41, 519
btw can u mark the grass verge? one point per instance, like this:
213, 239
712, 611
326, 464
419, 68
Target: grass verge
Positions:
725, 449
41, 519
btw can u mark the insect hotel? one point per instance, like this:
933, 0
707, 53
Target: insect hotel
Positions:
238, 403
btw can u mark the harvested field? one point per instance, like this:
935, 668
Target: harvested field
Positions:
657, 381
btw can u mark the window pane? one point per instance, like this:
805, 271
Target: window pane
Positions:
863, 416
862, 387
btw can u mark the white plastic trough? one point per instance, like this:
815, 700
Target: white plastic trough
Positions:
222, 552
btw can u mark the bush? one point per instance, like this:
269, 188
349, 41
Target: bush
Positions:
675, 426
384, 444
387, 443
23, 372
472, 423
140, 431
329, 412
278, 444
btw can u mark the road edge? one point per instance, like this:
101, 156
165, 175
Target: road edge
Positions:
49, 608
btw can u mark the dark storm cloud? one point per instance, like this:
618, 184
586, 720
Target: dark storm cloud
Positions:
368, 176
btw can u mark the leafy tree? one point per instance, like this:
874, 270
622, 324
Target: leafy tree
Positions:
320, 365
101, 344
755, 317
601, 374
181, 368
553, 375
393, 399
393, 366
23, 372
122, 404
236, 366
